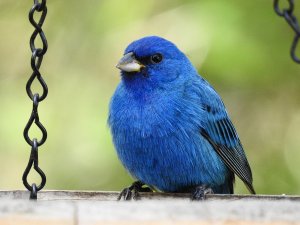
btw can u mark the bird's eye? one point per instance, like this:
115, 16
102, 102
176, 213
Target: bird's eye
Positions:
156, 58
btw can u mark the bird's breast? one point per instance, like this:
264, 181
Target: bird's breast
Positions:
144, 117
153, 113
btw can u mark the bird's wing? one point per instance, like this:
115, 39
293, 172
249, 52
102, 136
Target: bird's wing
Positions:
220, 133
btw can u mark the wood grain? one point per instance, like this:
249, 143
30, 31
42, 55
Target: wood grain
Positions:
95, 208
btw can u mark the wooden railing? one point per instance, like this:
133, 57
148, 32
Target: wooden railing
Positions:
94, 208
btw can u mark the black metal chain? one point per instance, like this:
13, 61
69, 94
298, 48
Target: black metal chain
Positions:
288, 14
39, 6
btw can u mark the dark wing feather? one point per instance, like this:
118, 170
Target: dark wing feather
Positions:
222, 136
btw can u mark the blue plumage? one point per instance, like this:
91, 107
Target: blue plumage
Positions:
169, 126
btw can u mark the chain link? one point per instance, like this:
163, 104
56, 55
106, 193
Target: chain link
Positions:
288, 14
36, 61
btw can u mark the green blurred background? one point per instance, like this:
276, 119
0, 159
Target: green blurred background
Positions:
241, 47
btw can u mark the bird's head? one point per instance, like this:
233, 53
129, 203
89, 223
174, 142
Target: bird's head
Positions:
154, 60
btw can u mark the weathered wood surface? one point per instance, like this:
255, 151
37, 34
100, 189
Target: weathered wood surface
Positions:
112, 196
94, 208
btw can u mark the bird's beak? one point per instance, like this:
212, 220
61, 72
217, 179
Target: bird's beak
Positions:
129, 63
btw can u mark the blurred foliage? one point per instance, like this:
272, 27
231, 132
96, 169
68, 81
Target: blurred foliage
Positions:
241, 47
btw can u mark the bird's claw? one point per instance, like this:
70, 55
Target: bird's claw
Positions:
132, 192
200, 192
126, 194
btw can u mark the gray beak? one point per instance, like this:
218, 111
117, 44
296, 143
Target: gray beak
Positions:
129, 63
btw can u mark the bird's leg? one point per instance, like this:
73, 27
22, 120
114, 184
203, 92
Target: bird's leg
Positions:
132, 192
200, 192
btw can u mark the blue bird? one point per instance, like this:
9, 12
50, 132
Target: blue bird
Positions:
169, 126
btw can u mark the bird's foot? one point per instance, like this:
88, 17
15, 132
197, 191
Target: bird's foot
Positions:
132, 192
200, 192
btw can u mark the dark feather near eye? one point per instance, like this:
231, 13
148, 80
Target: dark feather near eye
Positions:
153, 59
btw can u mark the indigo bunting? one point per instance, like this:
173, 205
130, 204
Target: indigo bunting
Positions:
169, 126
